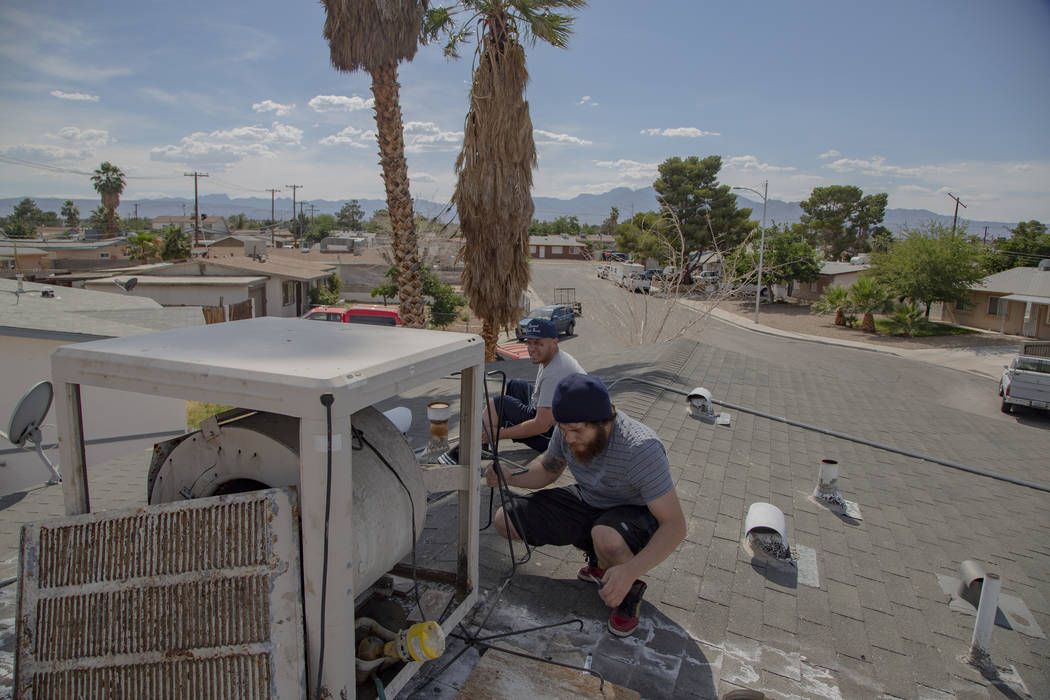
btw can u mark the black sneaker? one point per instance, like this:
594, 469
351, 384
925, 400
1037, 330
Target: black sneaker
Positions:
624, 619
449, 457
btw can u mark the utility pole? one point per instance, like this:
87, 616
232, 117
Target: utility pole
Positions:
312, 210
136, 210
196, 207
956, 218
272, 194
294, 188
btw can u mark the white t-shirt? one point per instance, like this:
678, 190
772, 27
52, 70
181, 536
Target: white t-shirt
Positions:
562, 365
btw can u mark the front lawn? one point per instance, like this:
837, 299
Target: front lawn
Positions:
923, 329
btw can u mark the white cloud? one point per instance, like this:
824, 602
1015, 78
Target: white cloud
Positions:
280, 110
84, 97
46, 153
160, 95
422, 177
339, 103
914, 188
351, 136
752, 163
222, 148
419, 137
91, 138
877, 166
688, 131
547, 138
586, 100
832, 153
630, 169
427, 136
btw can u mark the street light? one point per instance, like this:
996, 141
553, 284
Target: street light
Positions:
762, 246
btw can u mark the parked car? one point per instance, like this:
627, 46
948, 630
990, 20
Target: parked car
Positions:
560, 315
372, 314
614, 256
1026, 380
638, 281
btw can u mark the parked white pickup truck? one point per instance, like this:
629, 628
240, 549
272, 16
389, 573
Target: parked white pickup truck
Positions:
1026, 380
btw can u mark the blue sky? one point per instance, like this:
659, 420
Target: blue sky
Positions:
916, 99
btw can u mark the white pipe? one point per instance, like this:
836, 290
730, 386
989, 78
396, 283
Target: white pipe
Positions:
982, 631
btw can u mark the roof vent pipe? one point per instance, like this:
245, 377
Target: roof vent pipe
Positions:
982, 631
827, 489
972, 578
765, 529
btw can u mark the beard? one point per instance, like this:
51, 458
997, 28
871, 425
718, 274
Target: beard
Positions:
586, 453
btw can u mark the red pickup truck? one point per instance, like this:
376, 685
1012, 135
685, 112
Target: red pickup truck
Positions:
373, 314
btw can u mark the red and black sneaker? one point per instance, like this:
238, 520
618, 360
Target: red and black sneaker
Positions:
624, 619
591, 572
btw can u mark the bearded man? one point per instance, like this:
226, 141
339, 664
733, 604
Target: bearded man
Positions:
623, 511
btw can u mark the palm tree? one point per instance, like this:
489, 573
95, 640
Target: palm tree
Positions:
109, 182
835, 300
493, 194
868, 296
375, 35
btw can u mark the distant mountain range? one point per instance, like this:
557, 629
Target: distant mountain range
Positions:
588, 208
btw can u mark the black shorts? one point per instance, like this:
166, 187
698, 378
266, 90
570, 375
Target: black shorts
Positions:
559, 516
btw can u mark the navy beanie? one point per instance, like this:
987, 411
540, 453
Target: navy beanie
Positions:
581, 398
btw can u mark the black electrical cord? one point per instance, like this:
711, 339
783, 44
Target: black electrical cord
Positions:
506, 502
327, 400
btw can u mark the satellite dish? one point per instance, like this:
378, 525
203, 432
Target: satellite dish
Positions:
25, 422
128, 284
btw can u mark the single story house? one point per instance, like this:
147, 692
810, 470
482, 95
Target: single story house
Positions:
212, 225
1014, 301
832, 274
277, 286
63, 254
563, 247
45, 317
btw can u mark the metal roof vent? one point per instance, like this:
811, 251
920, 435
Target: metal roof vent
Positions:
197, 598
702, 407
827, 489
766, 531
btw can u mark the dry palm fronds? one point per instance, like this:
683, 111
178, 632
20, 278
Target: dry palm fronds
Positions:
493, 193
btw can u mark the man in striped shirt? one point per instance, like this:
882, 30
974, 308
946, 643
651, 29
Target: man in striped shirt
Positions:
623, 510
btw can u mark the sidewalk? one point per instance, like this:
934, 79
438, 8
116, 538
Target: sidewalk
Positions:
986, 361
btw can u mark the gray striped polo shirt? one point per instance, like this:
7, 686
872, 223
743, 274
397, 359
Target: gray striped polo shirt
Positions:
632, 470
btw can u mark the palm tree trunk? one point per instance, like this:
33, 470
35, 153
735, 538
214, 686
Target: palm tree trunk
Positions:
840, 318
490, 334
398, 199
868, 324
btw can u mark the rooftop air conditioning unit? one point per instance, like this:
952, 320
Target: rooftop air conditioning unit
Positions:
305, 454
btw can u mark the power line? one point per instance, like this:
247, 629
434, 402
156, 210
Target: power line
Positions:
956, 217
196, 207
294, 188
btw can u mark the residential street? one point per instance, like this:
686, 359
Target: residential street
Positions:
612, 316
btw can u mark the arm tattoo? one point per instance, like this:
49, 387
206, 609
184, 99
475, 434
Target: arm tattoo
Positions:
552, 464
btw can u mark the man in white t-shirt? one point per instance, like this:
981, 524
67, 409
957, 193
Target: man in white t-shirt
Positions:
526, 406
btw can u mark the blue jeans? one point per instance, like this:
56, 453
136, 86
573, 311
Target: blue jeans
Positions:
516, 408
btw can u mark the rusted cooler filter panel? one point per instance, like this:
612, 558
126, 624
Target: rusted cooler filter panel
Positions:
194, 599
